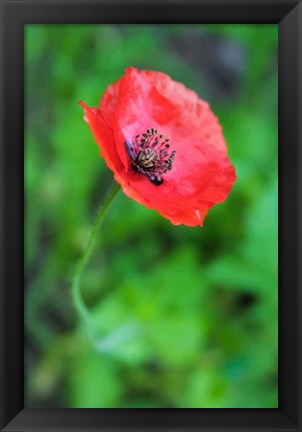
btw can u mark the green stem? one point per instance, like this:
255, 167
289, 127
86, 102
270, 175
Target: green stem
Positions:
76, 291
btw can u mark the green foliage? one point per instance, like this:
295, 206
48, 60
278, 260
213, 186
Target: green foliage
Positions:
185, 317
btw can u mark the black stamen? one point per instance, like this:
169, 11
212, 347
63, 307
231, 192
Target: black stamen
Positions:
148, 157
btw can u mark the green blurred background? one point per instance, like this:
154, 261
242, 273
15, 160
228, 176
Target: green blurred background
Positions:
187, 317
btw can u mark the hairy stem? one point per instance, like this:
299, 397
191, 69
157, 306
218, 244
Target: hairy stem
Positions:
80, 306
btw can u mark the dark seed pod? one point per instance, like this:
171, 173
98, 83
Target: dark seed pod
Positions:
155, 179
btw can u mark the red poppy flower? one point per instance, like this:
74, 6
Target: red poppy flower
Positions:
163, 144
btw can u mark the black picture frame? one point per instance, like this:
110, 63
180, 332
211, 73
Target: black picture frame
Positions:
14, 15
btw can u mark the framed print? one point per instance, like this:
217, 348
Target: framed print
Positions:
150, 219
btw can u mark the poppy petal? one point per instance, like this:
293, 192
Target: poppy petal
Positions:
103, 136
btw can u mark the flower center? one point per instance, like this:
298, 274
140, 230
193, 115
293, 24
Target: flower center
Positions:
150, 155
